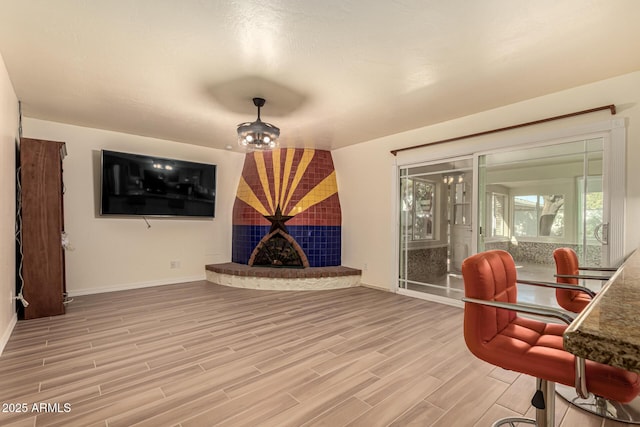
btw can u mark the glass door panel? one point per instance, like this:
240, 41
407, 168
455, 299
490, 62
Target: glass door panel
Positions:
539, 199
435, 226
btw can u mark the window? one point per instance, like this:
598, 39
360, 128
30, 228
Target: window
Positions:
418, 196
538, 215
496, 204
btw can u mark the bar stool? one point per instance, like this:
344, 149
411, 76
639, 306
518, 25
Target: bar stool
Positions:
495, 333
568, 272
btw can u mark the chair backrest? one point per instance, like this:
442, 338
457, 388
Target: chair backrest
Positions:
567, 263
489, 275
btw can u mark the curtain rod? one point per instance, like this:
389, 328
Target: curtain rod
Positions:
611, 107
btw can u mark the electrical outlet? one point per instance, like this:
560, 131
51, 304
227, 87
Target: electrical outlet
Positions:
365, 266
175, 264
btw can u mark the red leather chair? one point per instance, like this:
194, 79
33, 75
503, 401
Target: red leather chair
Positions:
495, 333
568, 272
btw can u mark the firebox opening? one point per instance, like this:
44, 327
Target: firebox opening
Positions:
278, 249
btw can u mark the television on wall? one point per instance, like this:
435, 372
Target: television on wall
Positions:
136, 184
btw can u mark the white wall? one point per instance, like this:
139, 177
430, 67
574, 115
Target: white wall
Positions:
9, 117
119, 253
365, 171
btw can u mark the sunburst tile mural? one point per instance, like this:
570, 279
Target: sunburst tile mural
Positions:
303, 184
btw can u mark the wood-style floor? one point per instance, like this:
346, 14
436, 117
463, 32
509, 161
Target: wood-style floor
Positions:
199, 354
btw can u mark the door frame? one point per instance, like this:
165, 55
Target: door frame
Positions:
397, 215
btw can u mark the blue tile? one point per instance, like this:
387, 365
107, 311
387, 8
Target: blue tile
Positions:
321, 244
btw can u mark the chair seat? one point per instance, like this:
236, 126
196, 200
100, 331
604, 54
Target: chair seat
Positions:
535, 348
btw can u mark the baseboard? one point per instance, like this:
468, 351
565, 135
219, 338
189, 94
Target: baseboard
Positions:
139, 285
7, 333
377, 288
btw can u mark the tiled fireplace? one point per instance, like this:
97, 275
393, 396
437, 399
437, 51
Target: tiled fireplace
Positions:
286, 224
303, 184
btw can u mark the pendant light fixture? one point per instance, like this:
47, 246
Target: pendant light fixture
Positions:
258, 135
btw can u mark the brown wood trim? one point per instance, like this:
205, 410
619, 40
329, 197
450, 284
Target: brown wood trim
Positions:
611, 108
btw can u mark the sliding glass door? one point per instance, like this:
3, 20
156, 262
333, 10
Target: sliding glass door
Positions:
527, 197
535, 200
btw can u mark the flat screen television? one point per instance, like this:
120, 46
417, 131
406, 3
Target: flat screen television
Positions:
135, 184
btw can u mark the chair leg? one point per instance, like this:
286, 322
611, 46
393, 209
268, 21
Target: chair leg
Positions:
544, 400
545, 416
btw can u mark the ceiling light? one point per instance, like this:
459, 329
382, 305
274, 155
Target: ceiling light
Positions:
258, 135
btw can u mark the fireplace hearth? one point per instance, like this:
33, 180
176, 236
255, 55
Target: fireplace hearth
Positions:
283, 279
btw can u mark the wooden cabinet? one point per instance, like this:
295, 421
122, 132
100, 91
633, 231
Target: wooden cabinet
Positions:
43, 270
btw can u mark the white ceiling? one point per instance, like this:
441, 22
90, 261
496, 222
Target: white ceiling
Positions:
333, 72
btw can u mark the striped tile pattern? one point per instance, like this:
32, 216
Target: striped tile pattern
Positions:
199, 354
